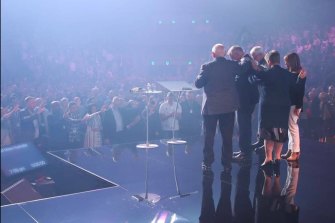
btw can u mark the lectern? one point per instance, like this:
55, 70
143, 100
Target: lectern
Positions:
151, 198
178, 87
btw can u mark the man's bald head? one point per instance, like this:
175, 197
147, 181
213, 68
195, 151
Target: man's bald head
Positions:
218, 50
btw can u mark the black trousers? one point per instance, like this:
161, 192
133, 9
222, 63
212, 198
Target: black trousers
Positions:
226, 126
244, 116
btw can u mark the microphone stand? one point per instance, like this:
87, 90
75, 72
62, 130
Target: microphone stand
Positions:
151, 198
172, 142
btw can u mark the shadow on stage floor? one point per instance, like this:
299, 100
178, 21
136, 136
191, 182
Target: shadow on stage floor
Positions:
117, 175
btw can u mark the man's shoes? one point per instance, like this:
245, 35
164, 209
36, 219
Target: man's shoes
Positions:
206, 167
225, 176
286, 155
257, 144
236, 153
241, 157
227, 169
260, 150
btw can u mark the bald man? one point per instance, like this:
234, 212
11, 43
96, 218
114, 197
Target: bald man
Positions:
220, 101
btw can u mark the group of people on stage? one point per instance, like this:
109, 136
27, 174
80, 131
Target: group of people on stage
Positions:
238, 85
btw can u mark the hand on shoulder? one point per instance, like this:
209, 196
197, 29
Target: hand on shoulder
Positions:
303, 74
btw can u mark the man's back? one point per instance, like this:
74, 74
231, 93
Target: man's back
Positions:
275, 87
218, 79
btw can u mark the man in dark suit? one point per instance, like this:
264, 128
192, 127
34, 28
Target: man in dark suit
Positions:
113, 122
258, 54
220, 101
248, 97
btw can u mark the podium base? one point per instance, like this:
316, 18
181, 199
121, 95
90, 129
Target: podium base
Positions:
176, 142
146, 146
151, 198
183, 195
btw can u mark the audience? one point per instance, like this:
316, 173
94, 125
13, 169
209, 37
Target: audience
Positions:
58, 85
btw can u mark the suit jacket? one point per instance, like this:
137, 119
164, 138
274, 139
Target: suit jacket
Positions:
247, 92
275, 85
218, 80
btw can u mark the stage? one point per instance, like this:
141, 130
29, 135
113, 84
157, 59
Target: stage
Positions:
117, 176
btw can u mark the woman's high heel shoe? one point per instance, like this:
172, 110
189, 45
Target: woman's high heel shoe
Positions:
287, 154
294, 156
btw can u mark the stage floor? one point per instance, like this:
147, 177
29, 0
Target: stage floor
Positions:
124, 165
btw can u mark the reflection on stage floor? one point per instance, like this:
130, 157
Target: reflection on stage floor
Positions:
301, 192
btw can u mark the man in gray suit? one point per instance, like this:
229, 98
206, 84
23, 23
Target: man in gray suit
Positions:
220, 101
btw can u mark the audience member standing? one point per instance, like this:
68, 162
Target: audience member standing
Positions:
315, 120
113, 122
6, 133
154, 119
325, 117
57, 125
74, 126
190, 123
133, 121
29, 121
170, 114
93, 136
331, 100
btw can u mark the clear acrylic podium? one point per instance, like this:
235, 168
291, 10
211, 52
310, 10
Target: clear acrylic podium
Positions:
178, 87
151, 198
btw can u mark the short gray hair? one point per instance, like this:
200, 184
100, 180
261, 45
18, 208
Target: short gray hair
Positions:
256, 50
234, 48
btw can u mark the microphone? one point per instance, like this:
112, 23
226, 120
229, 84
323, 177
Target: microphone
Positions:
136, 89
